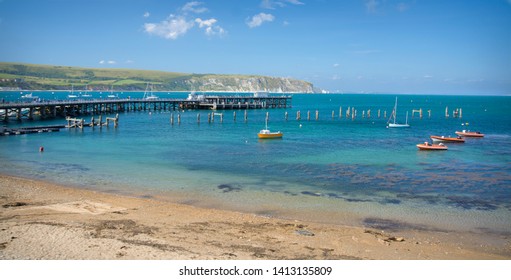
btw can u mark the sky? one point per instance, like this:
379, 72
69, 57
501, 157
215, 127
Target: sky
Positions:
351, 46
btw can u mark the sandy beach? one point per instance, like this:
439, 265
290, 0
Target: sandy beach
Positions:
40, 220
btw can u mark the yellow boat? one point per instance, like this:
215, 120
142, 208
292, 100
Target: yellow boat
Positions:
267, 134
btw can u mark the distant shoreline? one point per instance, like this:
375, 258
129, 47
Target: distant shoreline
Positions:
294, 93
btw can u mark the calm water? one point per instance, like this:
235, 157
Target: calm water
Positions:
334, 170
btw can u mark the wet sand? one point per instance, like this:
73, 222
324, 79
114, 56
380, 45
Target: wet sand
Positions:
40, 220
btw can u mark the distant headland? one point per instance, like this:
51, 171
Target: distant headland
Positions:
22, 76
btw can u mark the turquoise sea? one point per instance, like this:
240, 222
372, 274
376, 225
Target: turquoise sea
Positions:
333, 170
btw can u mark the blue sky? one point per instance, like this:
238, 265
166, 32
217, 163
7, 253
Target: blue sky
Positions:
397, 46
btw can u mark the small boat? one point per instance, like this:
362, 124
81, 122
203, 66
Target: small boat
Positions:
470, 133
393, 119
458, 139
267, 134
431, 147
148, 95
72, 93
29, 96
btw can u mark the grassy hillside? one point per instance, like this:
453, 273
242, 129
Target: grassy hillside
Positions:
47, 77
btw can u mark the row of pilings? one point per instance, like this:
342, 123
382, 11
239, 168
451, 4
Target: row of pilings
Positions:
349, 113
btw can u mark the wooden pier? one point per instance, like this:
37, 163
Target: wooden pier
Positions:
74, 108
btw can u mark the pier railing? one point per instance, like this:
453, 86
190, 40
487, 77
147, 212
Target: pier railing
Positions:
66, 108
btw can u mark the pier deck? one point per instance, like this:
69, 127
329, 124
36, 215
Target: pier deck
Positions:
66, 108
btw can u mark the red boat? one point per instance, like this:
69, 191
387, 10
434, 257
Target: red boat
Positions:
431, 147
458, 139
470, 133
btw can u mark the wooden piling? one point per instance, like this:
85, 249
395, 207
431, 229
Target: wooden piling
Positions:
172, 118
234, 116
246, 116
198, 118
285, 115
333, 114
340, 112
379, 115
317, 114
308, 115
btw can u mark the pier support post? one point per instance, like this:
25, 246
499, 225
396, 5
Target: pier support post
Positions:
379, 113
317, 114
178, 118
172, 118
308, 115
369, 113
198, 118
340, 112
285, 116
246, 116
298, 117
234, 116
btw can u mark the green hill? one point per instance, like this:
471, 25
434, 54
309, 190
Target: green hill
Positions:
47, 77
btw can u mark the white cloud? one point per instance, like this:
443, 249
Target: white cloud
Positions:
107, 62
178, 25
259, 19
194, 7
427, 76
147, 14
129, 61
171, 28
273, 4
336, 65
371, 5
210, 27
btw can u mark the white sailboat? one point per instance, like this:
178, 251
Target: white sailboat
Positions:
112, 95
392, 121
72, 94
148, 95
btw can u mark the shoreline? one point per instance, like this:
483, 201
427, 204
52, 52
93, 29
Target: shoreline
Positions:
42, 220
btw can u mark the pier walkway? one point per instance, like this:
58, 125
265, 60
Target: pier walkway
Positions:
66, 108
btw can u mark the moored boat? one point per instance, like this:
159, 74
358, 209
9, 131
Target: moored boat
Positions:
469, 133
392, 120
431, 147
267, 134
458, 139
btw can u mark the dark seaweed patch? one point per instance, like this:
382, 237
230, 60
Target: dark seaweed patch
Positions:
470, 203
310, 193
228, 188
391, 201
394, 225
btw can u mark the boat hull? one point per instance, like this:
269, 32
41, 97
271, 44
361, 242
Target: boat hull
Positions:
470, 134
431, 147
397, 125
271, 135
447, 139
